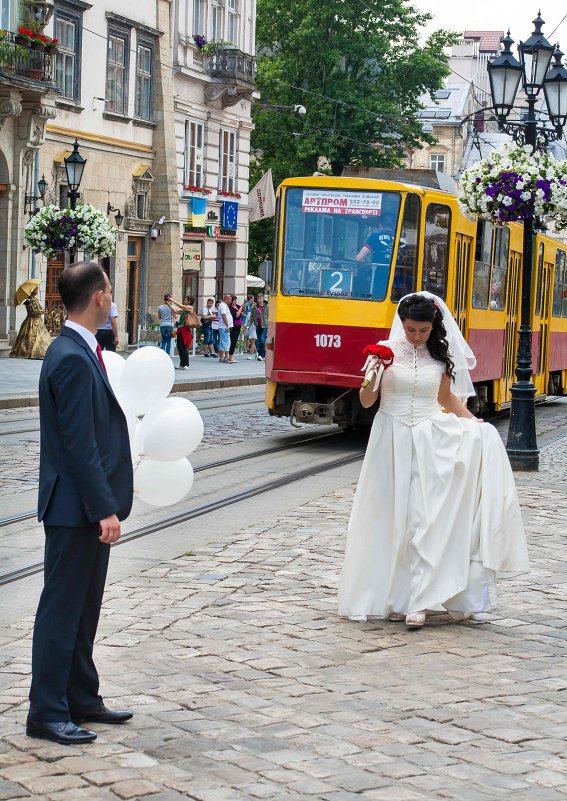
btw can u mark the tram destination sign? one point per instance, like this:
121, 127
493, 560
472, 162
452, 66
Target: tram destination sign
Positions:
367, 204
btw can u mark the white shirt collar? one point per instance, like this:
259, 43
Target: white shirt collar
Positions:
87, 335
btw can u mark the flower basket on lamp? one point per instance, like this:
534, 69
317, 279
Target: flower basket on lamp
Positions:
85, 228
512, 185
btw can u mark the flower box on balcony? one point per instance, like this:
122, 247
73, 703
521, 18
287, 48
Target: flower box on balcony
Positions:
196, 191
223, 196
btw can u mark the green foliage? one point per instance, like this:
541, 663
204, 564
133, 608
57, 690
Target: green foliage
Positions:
359, 69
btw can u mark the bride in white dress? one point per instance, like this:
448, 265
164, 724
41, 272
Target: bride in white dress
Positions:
436, 512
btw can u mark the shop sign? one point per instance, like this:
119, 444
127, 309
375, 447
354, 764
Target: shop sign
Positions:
367, 204
191, 255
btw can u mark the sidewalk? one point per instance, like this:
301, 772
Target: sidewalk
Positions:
19, 377
246, 685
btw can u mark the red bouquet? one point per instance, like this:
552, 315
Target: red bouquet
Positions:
372, 370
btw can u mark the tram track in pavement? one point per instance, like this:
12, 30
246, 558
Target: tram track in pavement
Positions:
247, 400
190, 514
23, 516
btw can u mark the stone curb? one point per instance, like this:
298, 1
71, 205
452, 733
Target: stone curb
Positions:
22, 401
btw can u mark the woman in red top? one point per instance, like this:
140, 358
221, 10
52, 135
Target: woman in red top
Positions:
184, 334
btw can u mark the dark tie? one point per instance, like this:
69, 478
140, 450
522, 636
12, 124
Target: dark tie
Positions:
101, 360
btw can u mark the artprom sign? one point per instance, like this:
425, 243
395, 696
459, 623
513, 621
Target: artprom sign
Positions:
368, 204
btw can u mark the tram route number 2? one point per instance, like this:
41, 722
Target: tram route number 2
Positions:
327, 340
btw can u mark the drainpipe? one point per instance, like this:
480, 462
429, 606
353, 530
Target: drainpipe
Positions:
34, 192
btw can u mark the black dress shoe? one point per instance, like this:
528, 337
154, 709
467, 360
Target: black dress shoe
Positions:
64, 733
101, 714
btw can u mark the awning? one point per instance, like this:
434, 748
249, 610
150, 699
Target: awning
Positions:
255, 282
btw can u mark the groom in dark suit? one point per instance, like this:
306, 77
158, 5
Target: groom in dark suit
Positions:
85, 490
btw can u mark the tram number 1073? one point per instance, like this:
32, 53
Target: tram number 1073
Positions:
327, 340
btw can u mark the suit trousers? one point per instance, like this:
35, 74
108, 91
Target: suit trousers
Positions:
65, 681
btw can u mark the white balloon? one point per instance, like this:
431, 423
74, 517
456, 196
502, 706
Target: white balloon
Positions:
173, 434
115, 365
147, 378
136, 442
171, 430
163, 483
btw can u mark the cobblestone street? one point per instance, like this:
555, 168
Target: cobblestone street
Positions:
246, 685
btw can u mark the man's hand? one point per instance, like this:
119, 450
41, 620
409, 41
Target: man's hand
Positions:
109, 529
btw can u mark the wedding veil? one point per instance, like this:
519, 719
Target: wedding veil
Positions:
459, 350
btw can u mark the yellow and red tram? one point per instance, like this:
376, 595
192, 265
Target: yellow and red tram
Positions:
347, 249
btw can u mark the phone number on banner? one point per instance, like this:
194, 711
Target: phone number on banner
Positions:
367, 203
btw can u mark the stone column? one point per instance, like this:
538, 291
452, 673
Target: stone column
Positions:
164, 255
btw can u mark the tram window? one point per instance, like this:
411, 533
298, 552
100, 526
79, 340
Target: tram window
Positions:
405, 273
560, 284
539, 279
499, 269
436, 249
339, 243
482, 262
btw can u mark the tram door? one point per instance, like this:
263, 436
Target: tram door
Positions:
461, 285
541, 322
512, 322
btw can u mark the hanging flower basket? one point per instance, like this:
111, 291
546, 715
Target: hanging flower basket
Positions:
512, 185
558, 216
85, 228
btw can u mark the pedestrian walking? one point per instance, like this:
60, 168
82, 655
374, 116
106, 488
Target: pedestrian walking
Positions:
225, 324
246, 321
186, 323
251, 335
107, 334
85, 490
260, 320
207, 319
215, 328
166, 317
236, 312
436, 513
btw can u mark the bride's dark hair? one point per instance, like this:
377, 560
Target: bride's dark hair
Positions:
423, 310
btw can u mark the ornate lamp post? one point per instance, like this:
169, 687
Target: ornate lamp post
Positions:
505, 73
31, 199
74, 166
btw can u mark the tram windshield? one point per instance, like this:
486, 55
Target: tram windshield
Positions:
339, 243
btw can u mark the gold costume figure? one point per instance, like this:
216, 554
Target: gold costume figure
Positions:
33, 338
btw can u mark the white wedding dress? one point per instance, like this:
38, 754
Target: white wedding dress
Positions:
436, 512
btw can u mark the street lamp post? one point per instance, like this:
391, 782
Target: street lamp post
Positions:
505, 73
74, 166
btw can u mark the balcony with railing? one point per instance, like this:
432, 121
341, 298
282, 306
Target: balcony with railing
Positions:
231, 64
22, 59
233, 75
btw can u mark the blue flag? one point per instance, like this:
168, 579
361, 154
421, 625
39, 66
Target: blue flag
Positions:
198, 209
229, 219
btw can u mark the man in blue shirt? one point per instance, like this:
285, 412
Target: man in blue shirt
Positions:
380, 243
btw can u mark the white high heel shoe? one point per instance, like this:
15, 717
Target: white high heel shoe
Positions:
415, 620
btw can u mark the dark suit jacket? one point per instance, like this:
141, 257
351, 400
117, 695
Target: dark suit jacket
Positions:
85, 468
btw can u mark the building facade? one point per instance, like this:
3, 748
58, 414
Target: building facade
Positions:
454, 115
154, 112
27, 104
214, 63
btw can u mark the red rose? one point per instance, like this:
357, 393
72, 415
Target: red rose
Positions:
382, 352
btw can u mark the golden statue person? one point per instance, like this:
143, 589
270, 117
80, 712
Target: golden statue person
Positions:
33, 338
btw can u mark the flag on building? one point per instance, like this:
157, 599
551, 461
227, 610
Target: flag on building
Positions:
198, 209
229, 216
262, 198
